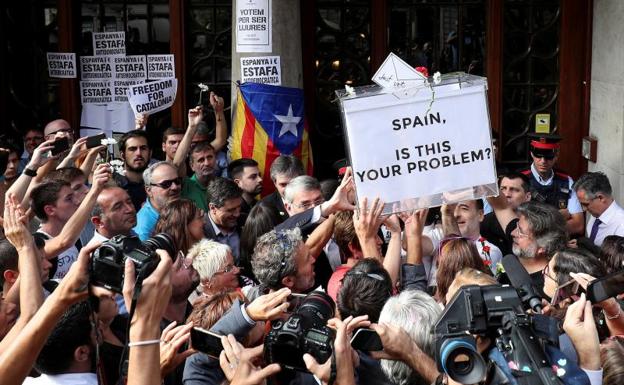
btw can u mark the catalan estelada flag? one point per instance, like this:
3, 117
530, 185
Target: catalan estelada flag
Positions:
269, 121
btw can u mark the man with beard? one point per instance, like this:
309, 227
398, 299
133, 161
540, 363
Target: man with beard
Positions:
162, 185
135, 151
245, 173
540, 233
224, 205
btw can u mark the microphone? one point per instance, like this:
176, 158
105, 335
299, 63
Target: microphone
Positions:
521, 280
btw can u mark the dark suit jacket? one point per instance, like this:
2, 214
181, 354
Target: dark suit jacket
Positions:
302, 220
274, 200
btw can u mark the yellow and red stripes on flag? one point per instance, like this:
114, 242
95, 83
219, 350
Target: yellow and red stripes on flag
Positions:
250, 140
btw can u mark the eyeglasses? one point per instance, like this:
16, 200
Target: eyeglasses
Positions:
67, 130
519, 231
544, 156
309, 205
227, 269
165, 184
546, 273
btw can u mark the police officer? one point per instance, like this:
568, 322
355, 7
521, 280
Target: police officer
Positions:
551, 186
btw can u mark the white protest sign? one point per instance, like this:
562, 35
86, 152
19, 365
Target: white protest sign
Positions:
96, 92
109, 43
152, 97
413, 153
253, 26
96, 68
160, 67
120, 89
61, 65
261, 69
130, 67
395, 73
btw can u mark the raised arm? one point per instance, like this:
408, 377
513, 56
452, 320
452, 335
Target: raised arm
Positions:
71, 231
220, 124
504, 213
195, 115
392, 260
87, 165
320, 236
29, 281
366, 222
20, 186
72, 155
449, 223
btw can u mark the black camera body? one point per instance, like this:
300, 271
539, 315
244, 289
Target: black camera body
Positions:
305, 331
496, 312
107, 263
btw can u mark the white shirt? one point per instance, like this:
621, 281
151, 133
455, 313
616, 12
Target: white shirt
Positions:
612, 223
574, 206
65, 258
63, 379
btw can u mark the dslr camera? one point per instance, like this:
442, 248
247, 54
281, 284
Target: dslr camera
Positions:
107, 264
304, 331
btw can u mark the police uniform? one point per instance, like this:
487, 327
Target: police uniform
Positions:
555, 190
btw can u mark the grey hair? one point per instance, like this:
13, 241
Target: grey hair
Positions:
149, 171
274, 256
288, 165
208, 258
594, 183
547, 225
302, 182
415, 312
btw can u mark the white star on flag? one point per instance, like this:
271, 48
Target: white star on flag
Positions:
289, 122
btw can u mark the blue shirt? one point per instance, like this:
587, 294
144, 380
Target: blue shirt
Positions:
146, 221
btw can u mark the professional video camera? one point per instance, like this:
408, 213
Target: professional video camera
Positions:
305, 331
107, 264
495, 312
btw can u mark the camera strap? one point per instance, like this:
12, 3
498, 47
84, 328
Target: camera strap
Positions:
123, 363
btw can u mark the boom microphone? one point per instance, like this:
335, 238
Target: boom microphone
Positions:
521, 280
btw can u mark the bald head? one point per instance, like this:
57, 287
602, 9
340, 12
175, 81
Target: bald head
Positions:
58, 125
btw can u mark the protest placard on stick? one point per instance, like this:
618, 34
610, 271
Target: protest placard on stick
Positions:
152, 97
421, 149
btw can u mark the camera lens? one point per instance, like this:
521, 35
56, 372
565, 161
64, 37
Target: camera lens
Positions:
161, 241
317, 308
461, 361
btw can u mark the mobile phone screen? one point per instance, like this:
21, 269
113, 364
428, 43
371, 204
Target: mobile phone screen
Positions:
60, 145
606, 287
95, 140
367, 340
206, 342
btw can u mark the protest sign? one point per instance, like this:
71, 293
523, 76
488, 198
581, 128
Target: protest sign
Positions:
160, 67
152, 97
120, 89
261, 69
421, 149
61, 65
96, 68
130, 67
96, 92
253, 26
109, 43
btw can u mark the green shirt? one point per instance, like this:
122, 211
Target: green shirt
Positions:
194, 191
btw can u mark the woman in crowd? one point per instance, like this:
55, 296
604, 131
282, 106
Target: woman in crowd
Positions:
456, 254
612, 253
184, 222
214, 263
261, 220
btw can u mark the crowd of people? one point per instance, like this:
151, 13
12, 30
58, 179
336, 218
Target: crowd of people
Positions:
87, 298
